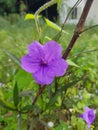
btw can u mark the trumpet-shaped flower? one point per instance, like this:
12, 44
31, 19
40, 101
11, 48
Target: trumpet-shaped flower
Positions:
88, 116
45, 62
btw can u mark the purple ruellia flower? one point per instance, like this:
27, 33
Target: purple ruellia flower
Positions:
45, 62
88, 116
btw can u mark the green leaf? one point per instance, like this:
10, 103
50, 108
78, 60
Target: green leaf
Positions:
28, 108
54, 26
53, 100
13, 57
48, 38
23, 79
66, 86
81, 125
5, 105
59, 127
16, 95
62, 126
30, 16
71, 63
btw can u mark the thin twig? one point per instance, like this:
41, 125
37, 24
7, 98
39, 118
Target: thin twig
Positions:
87, 51
79, 27
87, 29
62, 27
56, 86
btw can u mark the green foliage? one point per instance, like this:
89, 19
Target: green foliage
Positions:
5, 105
47, 21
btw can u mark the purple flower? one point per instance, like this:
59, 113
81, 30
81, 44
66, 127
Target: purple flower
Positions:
45, 62
88, 116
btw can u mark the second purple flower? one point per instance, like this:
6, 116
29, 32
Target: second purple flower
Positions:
45, 62
88, 116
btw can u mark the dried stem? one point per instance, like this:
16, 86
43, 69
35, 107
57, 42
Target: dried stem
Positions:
79, 27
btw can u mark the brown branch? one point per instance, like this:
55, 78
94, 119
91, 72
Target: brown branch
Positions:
56, 86
39, 94
79, 27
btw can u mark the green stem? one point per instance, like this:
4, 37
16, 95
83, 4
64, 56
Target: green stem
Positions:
19, 121
82, 52
46, 5
32, 124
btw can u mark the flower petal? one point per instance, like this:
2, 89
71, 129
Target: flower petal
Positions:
89, 115
81, 115
42, 77
35, 50
30, 65
52, 50
58, 67
86, 109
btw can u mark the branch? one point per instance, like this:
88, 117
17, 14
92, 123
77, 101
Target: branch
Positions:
79, 27
39, 94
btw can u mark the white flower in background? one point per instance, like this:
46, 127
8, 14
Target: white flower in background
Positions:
50, 124
70, 109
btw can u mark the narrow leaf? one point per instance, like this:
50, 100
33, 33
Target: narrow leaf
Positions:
71, 63
5, 105
54, 26
13, 57
28, 108
16, 95
30, 16
66, 86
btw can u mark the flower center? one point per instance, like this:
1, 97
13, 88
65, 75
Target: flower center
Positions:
43, 62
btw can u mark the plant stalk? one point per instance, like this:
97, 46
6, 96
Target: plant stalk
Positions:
43, 7
38, 94
19, 121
